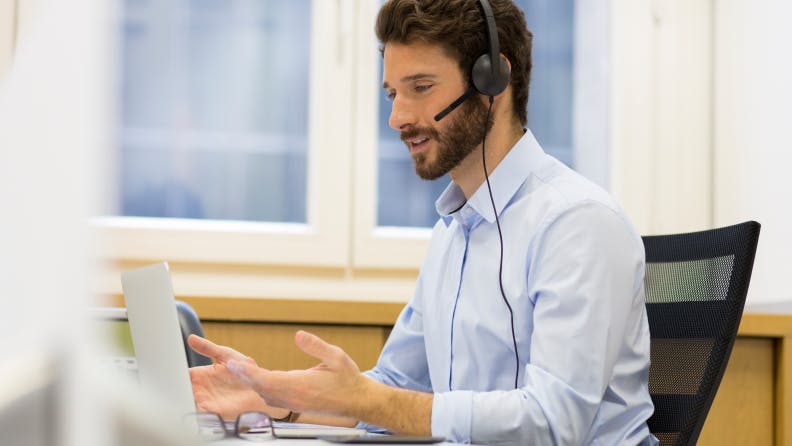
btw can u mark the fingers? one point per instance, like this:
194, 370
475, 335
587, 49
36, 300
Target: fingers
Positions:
313, 345
218, 353
204, 346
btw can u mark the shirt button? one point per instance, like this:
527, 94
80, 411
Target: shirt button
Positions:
468, 211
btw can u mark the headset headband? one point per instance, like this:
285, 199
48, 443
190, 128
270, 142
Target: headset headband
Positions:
492, 34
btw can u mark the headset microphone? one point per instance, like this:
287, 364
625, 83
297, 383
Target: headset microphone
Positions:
455, 104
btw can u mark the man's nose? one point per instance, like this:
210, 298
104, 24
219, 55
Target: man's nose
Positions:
401, 116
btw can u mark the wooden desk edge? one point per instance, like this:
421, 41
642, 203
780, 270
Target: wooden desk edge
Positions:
765, 325
289, 310
383, 313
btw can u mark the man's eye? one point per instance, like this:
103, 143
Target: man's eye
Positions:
422, 88
390, 95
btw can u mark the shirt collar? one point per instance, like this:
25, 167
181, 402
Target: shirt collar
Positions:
505, 180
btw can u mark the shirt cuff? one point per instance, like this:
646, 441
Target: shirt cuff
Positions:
452, 413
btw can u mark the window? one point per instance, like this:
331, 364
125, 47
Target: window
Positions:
215, 109
234, 148
255, 149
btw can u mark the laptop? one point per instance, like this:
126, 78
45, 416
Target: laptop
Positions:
156, 336
160, 353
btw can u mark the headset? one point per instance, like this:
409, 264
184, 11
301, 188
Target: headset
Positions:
487, 78
490, 79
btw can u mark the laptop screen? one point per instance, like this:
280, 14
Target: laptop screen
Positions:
156, 335
112, 327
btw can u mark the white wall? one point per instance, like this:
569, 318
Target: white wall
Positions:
701, 107
661, 90
753, 120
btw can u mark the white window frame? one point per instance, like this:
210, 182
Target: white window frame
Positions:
322, 241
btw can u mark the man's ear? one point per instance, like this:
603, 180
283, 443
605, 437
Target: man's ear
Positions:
500, 95
508, 62
508, 86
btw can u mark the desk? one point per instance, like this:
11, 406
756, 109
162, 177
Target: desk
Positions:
754, 402
753, 405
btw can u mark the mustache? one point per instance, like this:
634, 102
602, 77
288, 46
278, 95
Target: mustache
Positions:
415, 132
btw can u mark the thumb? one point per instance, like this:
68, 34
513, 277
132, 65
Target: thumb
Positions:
313, 345
244, 371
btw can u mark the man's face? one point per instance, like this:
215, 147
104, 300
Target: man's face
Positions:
422, 80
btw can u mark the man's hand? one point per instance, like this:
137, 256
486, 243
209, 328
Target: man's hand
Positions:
217, 390
336, 387
329, 388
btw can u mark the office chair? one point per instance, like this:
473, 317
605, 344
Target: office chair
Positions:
695, 285
190, 324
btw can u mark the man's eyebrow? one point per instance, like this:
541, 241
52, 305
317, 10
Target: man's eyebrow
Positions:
412, 77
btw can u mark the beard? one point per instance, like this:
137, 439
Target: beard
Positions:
460, 137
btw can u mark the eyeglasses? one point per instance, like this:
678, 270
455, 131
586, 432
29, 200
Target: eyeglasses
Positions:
253, 426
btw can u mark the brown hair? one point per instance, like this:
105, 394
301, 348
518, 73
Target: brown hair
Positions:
458, 26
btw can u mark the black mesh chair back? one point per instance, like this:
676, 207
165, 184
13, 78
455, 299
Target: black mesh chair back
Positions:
695, 285
190, 324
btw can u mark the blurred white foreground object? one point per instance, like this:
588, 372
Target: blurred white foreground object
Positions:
56, 117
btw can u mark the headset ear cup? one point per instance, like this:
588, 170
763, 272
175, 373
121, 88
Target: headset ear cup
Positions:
483, 79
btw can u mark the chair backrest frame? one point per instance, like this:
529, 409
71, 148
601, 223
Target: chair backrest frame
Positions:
190, 324
678, 317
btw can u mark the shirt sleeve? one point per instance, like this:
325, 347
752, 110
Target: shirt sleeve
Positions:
585, 280
403, 362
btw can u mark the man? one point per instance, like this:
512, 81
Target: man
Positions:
564, 284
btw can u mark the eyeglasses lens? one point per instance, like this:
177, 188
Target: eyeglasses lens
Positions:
255, 426
210, 426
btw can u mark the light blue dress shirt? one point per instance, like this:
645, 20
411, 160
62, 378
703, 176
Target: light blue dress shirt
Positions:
573, 269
